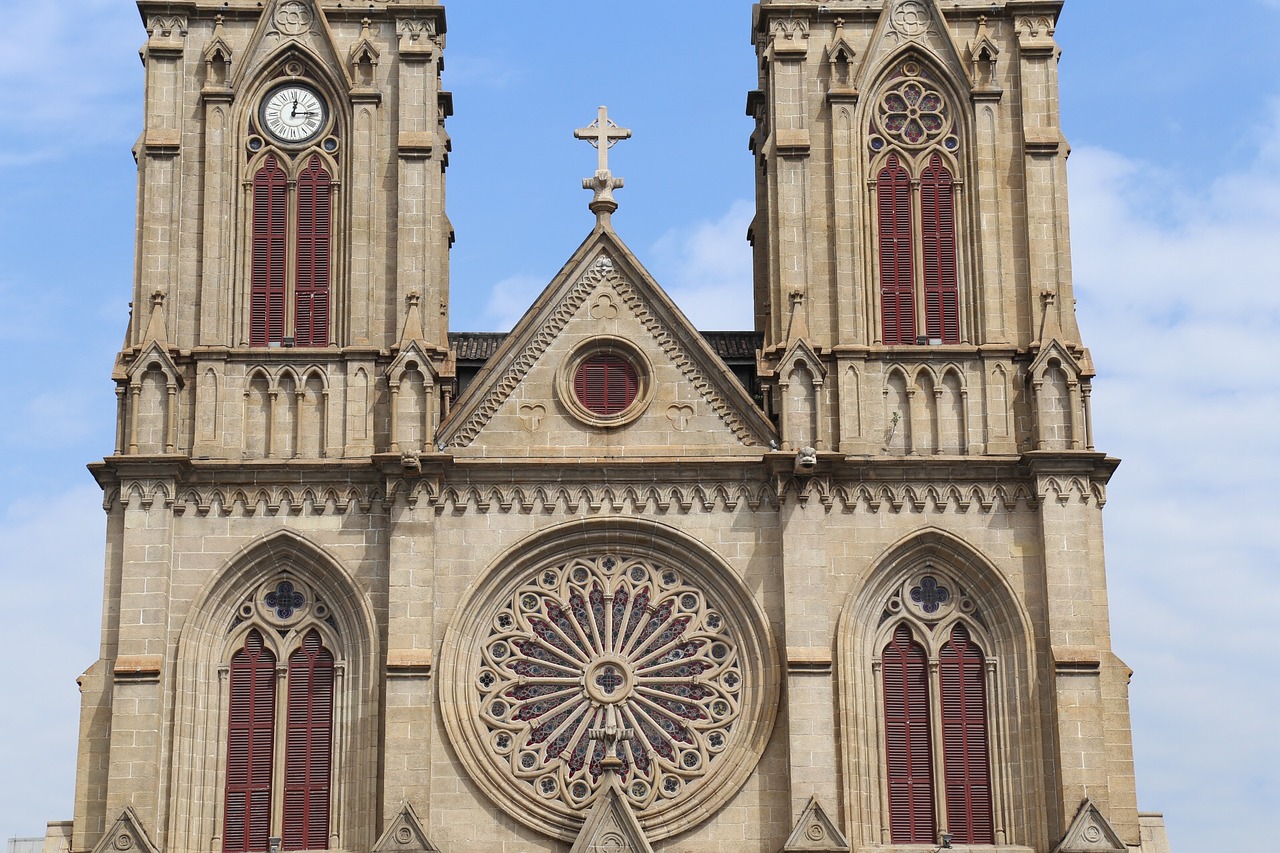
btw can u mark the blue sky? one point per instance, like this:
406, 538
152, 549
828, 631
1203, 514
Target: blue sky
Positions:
1173, 109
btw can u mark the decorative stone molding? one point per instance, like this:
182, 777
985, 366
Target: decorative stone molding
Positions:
1090, 832
126, 835
586, 495
405, 835
815, 833
602, 273
908, 497
613, 626
611, 827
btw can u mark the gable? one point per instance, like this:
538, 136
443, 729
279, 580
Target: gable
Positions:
528, 403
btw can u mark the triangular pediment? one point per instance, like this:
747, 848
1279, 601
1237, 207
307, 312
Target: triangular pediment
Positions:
611, 827
815, 832
800, 354
291, 26
524, 402
126, 835
1055, 350
405, 835
154, 353
917, 25
1090, 832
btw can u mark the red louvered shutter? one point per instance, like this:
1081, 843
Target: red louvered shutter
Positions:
308, 746
250, 744
266, 299
966, 767
938, 231
314, 234
897, 280
606, 384
907, 740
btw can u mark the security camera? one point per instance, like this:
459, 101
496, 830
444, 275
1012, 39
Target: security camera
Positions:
806, 460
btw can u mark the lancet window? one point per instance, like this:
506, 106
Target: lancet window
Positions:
291, 251
934, 682
279, 755
913, 139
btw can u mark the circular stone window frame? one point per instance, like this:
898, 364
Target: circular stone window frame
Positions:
461, 661
605, 345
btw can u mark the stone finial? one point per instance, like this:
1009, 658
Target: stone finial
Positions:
156, 327
798, 327
603, 134
412, 329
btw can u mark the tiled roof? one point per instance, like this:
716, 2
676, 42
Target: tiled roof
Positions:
480, 346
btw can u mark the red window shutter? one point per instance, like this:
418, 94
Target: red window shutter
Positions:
250, 744
267, 283
897, 279
938, 231
314, 237
905, 669
606, 384
965, 756
308, 746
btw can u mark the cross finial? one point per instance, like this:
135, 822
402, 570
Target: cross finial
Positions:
603, 134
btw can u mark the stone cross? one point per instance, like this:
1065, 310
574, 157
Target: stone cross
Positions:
603, 134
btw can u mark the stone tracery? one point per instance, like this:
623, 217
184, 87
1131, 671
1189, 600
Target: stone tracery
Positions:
599, 643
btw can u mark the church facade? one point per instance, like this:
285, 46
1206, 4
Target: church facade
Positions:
604, 582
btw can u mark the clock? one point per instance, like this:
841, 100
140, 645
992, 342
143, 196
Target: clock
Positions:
293, 113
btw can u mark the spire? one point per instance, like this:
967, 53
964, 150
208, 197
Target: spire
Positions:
412, 329
156, 327
603, 134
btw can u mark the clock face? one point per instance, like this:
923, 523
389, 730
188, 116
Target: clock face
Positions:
293, 113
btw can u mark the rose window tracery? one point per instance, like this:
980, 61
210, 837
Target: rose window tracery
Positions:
913, 113
603, 650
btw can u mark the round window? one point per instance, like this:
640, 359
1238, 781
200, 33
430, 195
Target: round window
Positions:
606, 384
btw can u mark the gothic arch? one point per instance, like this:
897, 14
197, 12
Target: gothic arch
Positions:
221, 614
1000, 623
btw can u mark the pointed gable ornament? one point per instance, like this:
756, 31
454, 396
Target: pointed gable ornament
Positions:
911, 23
1090, 832
405, 835
611, 826
815, 833
126, 835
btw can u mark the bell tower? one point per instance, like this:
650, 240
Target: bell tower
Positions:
291, 229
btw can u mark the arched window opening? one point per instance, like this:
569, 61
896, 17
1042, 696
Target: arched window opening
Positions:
897, 275
308, 746
908, 742
938, 236
268, 276
966, 760
250, 748
311, 314
291, 252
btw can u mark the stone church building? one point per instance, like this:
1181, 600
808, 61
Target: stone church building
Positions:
605, 582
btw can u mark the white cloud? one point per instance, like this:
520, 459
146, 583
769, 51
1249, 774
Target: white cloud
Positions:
510, 299
52, 575
65, 84
1179, 300
706, 268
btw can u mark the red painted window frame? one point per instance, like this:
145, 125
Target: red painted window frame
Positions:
938, 245
314, 238
606, 384
908, 740
965, 742
897, 258
308, 746
250, 748
269, 244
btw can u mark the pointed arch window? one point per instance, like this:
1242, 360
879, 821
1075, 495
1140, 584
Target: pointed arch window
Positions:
915, 210
936, 719
262, 737
291, 253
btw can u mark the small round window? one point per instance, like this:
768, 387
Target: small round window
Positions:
606, 384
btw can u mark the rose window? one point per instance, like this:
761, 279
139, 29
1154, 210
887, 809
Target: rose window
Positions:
913, 113
609, 656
